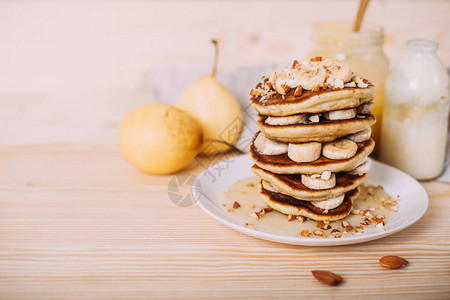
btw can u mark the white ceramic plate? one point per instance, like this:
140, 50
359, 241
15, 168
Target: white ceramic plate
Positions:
210, 184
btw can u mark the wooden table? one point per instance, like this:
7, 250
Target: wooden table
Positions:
76, 221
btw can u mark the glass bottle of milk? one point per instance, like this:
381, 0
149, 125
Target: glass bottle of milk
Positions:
415, 118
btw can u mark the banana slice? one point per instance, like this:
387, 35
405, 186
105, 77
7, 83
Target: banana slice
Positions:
342, 114
361, 169
295, 119
304, 152
310, 75
360, 136
315, 118
316, 182
268, 186
267, 146
339, 149
365, 108
337, 69
307, 74
329, 203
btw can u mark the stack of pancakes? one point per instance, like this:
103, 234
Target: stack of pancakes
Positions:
312, 149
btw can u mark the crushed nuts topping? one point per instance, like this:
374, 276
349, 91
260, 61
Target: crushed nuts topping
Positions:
305, 233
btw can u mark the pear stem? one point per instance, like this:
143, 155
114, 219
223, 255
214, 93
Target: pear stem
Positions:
216, 55
233, 147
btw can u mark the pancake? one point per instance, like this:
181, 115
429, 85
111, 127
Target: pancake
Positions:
323, 131
312, 101
292, 185
291, 206
282, 164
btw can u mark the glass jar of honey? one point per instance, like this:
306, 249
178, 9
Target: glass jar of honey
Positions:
363, 51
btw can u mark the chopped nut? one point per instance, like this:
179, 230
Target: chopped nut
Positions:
305, 233
348, 228
345, 224
379, 225
326, 227
295, 63
335, 231
298, 91
319, 233
372, 209
291, 218
317, 58
236, 205
394, 208
339, 235
268, 209
355, 211
301, 219
254, 215
323, 226
282, 89
273, 77
368, 214
255, 92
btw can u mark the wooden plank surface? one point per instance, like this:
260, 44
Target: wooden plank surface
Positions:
76, 221
80, 222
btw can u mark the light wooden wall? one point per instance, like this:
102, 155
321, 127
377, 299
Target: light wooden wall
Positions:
108, 45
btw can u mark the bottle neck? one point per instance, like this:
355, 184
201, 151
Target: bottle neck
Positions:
422, 48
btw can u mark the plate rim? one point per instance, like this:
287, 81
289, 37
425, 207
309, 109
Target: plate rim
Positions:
299, 240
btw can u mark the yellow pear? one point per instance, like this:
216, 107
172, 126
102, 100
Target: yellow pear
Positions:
215, 109
159, 138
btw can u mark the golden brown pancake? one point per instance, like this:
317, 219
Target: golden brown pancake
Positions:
311, 101
291, 206
292, 185
282, 164
323, 131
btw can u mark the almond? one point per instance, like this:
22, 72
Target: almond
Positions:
393, 262
305, 233
283, 89
299, 91
327, 277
